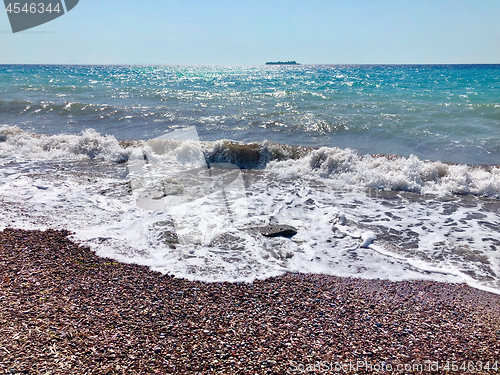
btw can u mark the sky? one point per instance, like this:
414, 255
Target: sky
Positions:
251, 32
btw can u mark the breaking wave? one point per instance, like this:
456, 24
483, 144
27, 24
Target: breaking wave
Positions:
344, 167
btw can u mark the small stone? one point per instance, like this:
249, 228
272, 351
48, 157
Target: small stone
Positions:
277, 231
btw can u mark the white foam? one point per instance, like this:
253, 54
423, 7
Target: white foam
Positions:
347, 168
169, 191
89, 144
343, 166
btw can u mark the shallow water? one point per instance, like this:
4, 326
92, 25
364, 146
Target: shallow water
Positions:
165, 208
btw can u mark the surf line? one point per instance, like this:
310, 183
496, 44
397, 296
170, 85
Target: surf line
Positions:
367, 244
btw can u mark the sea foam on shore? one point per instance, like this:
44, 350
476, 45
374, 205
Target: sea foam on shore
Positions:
188, 207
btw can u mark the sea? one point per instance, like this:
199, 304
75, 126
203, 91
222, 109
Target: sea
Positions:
384, 171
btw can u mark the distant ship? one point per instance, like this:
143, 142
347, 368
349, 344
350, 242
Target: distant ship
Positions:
282, 63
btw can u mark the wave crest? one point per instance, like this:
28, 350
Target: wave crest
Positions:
88, 144
344, 167
348, 169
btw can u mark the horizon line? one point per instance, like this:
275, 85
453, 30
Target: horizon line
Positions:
262, 64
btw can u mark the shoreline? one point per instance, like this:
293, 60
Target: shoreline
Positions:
65, 310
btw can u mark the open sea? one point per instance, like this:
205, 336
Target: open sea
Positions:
385, 171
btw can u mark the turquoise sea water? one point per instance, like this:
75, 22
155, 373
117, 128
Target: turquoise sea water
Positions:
175, 167
437, 112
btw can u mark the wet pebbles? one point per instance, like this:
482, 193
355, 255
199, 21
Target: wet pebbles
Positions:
63, 310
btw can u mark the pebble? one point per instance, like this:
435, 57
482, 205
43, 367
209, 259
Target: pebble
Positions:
65, 310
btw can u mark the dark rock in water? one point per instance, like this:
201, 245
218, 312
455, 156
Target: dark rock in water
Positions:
167, 233
169, 238
277, 230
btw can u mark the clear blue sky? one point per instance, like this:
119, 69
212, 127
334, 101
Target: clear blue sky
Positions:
251, 32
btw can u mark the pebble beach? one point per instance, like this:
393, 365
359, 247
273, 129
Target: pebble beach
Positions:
64, 310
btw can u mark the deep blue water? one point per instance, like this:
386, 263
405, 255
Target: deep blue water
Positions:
438, 112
